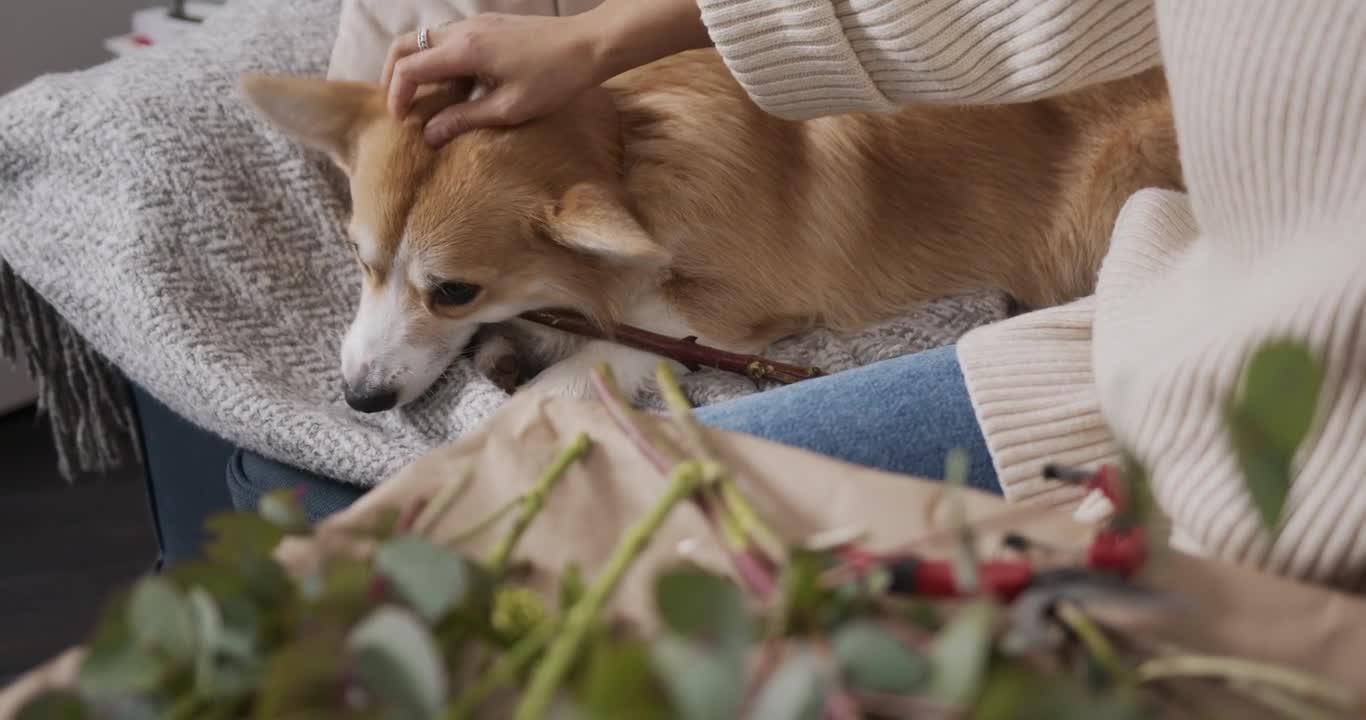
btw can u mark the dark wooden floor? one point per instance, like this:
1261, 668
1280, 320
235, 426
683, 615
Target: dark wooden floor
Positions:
63, 547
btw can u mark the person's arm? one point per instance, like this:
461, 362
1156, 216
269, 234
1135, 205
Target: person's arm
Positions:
531, 65
803, 58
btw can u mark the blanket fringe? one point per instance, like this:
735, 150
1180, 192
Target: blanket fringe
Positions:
88, 407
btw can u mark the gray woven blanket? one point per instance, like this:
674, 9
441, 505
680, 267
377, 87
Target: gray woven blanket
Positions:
150, 222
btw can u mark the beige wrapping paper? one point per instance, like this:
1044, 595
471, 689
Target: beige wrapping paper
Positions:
1232, 611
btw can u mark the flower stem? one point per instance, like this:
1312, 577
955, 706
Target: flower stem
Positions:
622, 415
1095, 641
534, 500
483, 525
684, 481
505, 671
756, 573
1235, 669
735, 502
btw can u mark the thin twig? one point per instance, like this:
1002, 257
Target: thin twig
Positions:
620, 411
686, 351
1237, 669
534, 500
560, 656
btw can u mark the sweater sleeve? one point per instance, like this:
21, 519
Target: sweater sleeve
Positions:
804, 58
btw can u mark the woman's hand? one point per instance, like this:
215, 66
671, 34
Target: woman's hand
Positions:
526, 65
529, 66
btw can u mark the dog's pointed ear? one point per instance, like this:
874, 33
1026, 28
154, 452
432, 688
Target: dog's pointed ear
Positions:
592, 219
321, 114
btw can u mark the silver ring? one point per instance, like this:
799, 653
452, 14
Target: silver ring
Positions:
424, 39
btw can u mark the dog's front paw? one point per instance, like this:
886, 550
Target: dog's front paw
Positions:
562, 383
497, 360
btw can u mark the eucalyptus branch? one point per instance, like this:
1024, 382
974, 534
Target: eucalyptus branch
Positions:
758, 578
1248, 671
534, 500
734, 500
504, 672
551, 671
484, 525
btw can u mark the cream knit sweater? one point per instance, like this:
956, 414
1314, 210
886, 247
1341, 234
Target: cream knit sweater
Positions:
1270, 106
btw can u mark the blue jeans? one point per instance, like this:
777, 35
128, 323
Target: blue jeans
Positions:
902, 415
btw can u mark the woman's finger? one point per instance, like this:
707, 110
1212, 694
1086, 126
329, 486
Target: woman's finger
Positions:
489, 110
440, 63
402, 46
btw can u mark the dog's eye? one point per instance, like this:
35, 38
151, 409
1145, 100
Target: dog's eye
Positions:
455, 293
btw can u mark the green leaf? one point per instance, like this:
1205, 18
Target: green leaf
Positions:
302, 676
1269, 417
1266, 468
115, 665
397, 661
341, 591
873, 660
959, 658
218, 579
705, 607
432, 579
1280, 388
796, 691
159, 618
225, 664
54, 705
617, 683
701, 685
208, 627
806, 603
283, 509
237, 534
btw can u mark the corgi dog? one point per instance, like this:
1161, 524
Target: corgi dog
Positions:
666, 199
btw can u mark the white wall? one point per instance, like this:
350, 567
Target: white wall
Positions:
42, 36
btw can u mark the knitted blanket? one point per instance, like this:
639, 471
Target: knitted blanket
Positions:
150, 222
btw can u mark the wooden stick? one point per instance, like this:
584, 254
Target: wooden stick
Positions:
685, 351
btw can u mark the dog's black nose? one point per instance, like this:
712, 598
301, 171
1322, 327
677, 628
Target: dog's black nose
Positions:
371, 402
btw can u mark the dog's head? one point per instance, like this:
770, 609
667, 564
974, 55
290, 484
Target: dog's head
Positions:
494, 224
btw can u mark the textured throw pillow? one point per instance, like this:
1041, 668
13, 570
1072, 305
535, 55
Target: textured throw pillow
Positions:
368, 26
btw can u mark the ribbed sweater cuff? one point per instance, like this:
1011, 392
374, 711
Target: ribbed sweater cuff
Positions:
792, 57
803, 58
1031, 384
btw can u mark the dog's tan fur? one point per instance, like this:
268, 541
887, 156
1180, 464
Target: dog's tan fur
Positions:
668, 193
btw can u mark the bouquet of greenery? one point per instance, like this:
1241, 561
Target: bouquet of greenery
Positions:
823, 627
